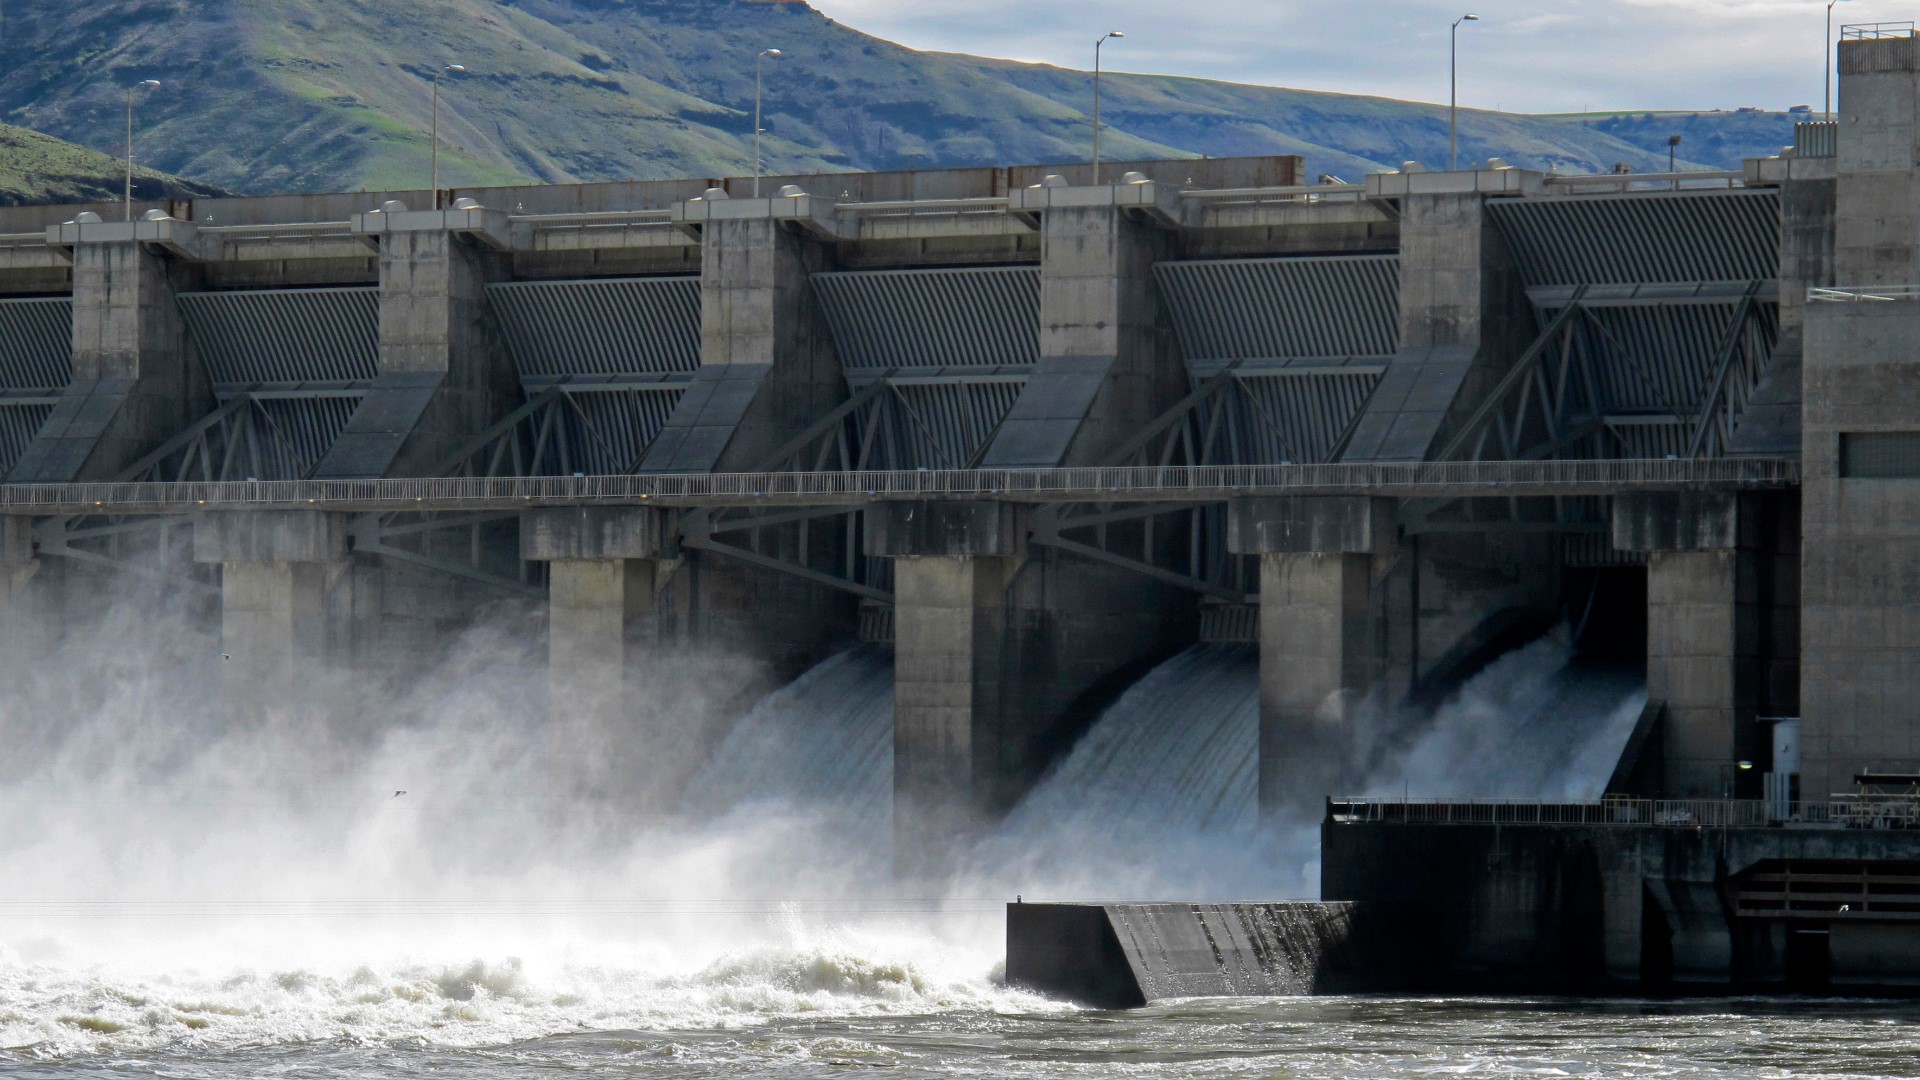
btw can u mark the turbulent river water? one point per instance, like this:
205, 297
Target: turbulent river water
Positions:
406, 892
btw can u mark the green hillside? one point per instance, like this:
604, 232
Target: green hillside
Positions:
282, 95
36, 168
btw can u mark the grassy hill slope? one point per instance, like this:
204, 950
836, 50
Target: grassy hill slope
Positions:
36, 168
279, 95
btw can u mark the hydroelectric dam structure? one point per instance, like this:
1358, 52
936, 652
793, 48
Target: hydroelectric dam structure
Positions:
1034, 434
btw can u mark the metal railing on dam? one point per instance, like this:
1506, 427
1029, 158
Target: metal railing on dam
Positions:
1442, 479
1838, 813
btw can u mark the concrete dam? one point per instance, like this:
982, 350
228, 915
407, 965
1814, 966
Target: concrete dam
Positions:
963, 499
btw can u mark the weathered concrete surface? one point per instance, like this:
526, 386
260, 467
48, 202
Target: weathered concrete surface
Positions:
444, 374
270, 536
277, 568
767, 367
1122, 956
132, 386
1592, 908
601, 624
953, 706
1107, 363
596, 532
1705, 621
1464, 319
1319, 646
1877, 232
946, 529
1309, 524
1861, 578
1317, 663
767, 372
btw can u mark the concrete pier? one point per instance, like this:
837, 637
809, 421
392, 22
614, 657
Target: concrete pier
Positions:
1319, 653
275, 571
605, 569
133, 386
1703, 635
443, 373
957, 707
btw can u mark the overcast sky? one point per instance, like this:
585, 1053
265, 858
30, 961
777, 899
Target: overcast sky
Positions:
1523, 56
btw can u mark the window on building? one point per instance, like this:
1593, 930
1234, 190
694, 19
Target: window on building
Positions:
1880, 455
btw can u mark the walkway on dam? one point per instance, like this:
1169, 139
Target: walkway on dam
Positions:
1449, 479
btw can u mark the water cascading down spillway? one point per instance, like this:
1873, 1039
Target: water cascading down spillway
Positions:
1159, 798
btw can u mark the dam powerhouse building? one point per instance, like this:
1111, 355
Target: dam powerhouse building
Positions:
1035, 430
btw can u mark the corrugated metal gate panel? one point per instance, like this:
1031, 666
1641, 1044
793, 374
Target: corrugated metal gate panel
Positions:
1273, 418
299, 432
1232, 309
981, 317
609, 327
613, 428
1643, 237
936, 425
18, 426
36, 344
286, 335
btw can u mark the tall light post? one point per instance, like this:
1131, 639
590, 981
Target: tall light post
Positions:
450, 69
759, 83
1453, 92
1096, 99
1827, 86
149, 84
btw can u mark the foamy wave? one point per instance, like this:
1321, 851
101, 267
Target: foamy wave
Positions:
56, 1011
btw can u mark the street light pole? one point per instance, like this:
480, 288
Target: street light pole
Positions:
435, 168
1453, 94
1826, 87
145, 85
759, 62
1096, 99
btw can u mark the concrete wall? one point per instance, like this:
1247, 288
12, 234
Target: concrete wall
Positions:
1581, 908
1860, 614
133, 385
1877, 233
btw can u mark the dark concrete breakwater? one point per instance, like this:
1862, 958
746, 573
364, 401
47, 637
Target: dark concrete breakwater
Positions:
1618, 898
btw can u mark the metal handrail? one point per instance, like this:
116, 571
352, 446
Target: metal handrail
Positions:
1876, 31
24, 239
1290, 191
1858, 294
1843, 813
594, 217
231, 231
1453, 479
985, 203
1667, 181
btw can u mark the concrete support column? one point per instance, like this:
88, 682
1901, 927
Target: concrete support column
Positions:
1107, 366
17, 566
1877, 231
132, 386
767, 367
1703, 635
1464, 317
275, 570
767, 372
953, 713
605, 564
1318, 638
444, 373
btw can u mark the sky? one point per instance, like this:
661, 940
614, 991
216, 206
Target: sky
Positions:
1522, 56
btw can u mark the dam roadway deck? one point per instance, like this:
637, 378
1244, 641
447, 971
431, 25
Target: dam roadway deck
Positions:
1452, 480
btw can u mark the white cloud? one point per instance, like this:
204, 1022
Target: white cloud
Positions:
1524, 55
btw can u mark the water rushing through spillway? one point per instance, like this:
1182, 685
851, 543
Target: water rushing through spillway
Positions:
402, 888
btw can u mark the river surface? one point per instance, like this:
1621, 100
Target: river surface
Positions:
833, 1014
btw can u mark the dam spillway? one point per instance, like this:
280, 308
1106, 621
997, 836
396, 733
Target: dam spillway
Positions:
1032, 434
